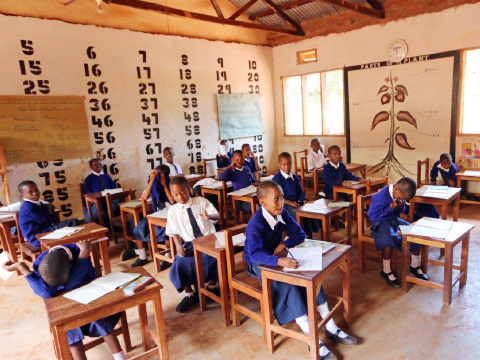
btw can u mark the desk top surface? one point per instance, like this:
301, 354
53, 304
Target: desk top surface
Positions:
88, 229
208, 241
457, 231
323, 211
452, 191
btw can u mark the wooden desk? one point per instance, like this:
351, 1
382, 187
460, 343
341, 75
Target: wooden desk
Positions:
95, 199
362, 168
459, 233
6, 239
206, 245
453, 196
6, 224
65, 314
90, 231
335, 258
354, 190
251, 198
193, 178
135, 212
461, 183
154, 220
326, 215
222, 205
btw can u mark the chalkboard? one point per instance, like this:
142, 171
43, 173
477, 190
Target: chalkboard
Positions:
239, 115
36, 128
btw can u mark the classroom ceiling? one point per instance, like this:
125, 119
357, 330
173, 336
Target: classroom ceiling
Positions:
262, 22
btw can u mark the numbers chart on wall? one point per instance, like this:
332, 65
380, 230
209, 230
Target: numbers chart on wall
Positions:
52, 176
254, 88
149, 111
188, 89
223, 87
102, 121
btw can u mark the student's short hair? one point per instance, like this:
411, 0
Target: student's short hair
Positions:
164, 169
264, 188
334, 147
315, 139
284, 155
92, 160
167, 148
407, 186
245, 145
55, 268
223, 141
180, 180
446, 156
25, 183
238, 152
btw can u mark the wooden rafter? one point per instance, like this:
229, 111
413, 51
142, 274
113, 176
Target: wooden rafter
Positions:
375, 4
285, 17
144, 5
217, 8
287, 6
356, 7
242, 9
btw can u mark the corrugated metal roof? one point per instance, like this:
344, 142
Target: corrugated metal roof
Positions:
305, 12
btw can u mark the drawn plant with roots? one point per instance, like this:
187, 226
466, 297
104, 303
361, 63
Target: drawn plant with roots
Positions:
391, 94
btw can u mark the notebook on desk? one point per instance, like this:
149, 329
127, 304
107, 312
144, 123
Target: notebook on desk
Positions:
309, 259
60, 233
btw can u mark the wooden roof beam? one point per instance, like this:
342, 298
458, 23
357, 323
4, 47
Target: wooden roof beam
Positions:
377, 5
356, 7
242, 9
285, 17
144, 5
217, 8
287, 6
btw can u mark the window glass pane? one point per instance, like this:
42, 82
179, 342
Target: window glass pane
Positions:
313, 105
471, 94
292, 88
334, 107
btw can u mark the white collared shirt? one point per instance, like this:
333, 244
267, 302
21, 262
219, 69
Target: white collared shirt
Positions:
241, 169
315, 160
175, 169
178, 222
286, 176
442, 168
390, 190
335, 166
98, 174
272, 220
39, 202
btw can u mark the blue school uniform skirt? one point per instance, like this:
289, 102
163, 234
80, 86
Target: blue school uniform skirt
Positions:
141, 232
289, 301
183, 272
309, 225
425, 210
96, 328
385, 233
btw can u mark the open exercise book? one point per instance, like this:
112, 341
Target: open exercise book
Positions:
100, 287
309, 243
245, 191
472, 173
60, 233
237, 240
437, 192
309, 259
429, 227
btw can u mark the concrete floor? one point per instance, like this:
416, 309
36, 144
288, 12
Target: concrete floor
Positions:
389, 324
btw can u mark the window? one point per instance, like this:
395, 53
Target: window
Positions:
313, 104
307, 56
470, 121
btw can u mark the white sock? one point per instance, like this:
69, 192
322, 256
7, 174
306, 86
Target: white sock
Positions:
190, 294
416, 262
302, 321
330, 326
119, 356
142, 254
387, 269
210, 286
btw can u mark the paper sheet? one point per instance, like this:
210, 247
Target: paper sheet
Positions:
215, 185
4, 274
315, 207
87, 293
60, 233
437, 187
309, 259
429, 232
435, 223
338, 204
115, 279
161, 214
111, 191
309, 243
353, 182
472, 173
237, 240
191, 176
265, 178
6, 216
435, 194
405, 229
245, 191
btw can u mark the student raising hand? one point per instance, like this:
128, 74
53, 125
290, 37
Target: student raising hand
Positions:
287, 262
153, 175
85, 248
163, 181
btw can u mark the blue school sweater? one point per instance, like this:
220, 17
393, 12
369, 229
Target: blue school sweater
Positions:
81, 272
380, 209
261, 240
34, 219
159, 196
334, 176
223, 162
250, 164
92, 183
239, 179
446, 175
292, 190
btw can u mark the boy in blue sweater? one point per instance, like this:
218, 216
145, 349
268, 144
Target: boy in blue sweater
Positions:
447, 169
264, 246
384, 213
335, 173
64, 268
34, 216
293, 192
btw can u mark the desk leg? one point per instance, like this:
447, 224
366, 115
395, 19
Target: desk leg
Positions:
347, 315
326, 228
222, 279
411, 211
160, 327
95, 257
335, 195
142, 315
267, 312
464, 261
200, 278
63, 349
444, 211
313, 320
221, 211
99, 212
89, 210
154, 244
406, 262
105, 257
424, 255
447, 282
456, 208
348, 226
235, 215
125, 227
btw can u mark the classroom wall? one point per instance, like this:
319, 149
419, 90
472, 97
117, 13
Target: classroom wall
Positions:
143, 77
452, 29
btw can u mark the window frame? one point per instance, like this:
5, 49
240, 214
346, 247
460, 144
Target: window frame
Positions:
322, 96
461, 95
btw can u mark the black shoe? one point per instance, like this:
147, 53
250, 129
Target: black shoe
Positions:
139, 262
392, 283
349, 340
329, 356
128, 254
215, 290
164, 264
187, 303
414, 272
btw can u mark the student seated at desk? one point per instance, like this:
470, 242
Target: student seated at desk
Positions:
12, 207
224, 157
34, 216
293, 192
251, 161
316, 157
98, 181
335, 173
264, 246
64, 268
187, 220
158, 187
175, 169
384, 213
447, 169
